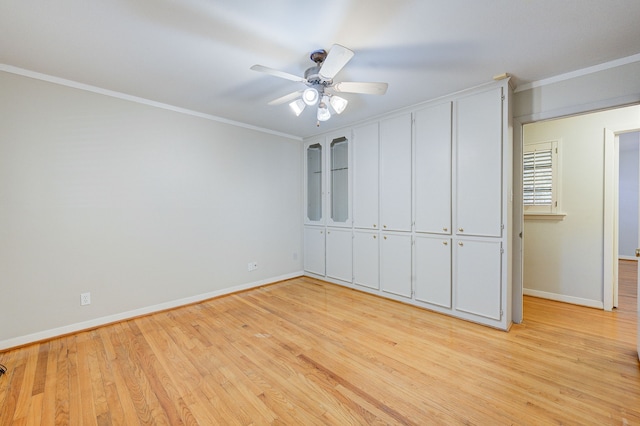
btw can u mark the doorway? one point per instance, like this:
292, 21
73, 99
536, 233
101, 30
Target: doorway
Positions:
568, 255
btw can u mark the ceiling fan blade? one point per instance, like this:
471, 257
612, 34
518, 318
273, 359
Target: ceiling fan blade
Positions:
336, 59
277, 73
286, 98
361, 87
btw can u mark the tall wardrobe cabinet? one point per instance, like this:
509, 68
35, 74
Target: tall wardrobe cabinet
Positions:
416, 207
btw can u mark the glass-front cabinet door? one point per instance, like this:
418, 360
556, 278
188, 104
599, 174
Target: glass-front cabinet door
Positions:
314, 190
327, 176
339, 181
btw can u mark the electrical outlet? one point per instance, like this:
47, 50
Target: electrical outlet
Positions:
85, 299
252, 266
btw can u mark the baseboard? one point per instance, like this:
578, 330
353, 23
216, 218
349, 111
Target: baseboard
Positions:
123, 316
564, 298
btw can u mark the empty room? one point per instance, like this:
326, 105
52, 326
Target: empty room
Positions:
340, 213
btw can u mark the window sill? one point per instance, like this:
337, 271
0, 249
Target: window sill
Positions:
544, 216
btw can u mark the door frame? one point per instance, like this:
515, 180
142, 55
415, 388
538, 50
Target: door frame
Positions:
517, 241
611, 200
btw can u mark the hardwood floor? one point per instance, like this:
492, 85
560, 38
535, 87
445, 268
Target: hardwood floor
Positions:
305, 352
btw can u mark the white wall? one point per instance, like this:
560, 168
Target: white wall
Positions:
563, 259
143, 207
628, 194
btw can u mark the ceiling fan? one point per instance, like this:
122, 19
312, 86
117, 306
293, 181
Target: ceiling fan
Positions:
321, 87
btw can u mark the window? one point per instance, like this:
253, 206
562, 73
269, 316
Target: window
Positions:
540, 178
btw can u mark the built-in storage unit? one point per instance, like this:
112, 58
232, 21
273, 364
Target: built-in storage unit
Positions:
416, 205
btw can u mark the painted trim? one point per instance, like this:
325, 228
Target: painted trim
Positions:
623, 257
579, 73
562, 298
123, 316
610, 249
119, 95
544, 216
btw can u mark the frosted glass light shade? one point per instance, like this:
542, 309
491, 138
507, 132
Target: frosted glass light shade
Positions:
338, 103
310, 96
323, 111
298, 106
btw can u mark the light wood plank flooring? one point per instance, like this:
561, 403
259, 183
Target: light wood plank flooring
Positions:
304, 352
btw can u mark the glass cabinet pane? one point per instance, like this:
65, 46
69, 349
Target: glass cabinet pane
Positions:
339, 150
314, 182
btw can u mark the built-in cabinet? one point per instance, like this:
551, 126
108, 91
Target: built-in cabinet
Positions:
412, 206
395, 173
338, 254
433, 270
314, 249
366, 259
432, 170
366, 154
395, 264
479, 145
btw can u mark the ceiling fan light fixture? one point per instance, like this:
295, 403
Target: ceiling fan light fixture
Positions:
297, 106
323, 110
338, 103
310, 96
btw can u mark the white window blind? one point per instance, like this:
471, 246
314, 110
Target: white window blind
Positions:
540, 177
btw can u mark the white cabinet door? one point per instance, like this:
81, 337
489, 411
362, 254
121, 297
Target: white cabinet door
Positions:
478, 284
433, 169
433, 270
366, 259
479, 164
314, 249
395, 173
395, 264
339, 255
365, 176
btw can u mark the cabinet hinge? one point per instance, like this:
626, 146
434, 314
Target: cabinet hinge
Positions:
501, 314
501, 250
502, 226
503, 98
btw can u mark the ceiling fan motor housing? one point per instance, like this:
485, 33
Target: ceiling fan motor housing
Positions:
313, 77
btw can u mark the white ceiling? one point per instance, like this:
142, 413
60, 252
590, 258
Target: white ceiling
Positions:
196, 54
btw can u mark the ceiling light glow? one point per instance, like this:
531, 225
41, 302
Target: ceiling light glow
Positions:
310, 96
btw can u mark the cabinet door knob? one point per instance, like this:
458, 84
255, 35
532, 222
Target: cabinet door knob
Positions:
384, 226
460, 229
445, 229
460, 243
445, 243
375, 226
374, 237
385, 237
